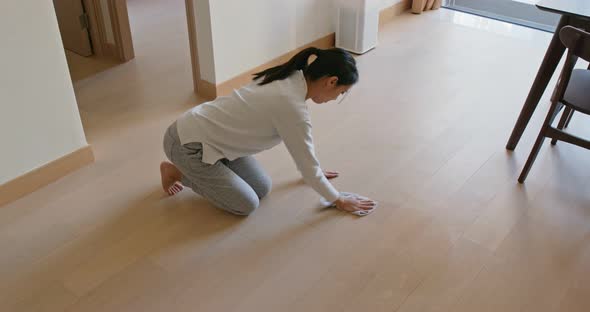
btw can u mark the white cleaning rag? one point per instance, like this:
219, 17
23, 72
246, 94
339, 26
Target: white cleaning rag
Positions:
360, 213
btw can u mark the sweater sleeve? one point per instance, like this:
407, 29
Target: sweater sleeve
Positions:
299, 142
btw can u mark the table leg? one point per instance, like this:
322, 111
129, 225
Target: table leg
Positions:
552, 57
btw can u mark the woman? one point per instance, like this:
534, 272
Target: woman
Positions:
211, 146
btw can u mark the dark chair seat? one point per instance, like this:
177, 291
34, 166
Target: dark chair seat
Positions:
577, 94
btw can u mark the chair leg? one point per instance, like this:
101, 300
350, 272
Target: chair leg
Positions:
532, 156
569, 118
555, 106
564, 118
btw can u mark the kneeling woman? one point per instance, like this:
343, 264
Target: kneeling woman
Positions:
211, 146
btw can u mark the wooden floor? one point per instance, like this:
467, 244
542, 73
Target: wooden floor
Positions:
423, 133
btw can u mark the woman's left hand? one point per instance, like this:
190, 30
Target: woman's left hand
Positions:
331, 174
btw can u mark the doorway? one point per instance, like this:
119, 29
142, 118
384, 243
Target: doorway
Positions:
96, 35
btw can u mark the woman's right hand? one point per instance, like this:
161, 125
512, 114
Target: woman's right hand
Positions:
352, 203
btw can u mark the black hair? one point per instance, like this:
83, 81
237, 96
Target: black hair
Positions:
330, 62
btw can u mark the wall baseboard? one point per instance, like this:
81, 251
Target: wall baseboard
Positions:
387, 14
210, 91
42, 176
205, 89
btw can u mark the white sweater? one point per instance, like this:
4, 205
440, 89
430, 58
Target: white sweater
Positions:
256, 118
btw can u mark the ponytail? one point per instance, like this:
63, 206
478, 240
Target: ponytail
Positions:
330, 62
297, 62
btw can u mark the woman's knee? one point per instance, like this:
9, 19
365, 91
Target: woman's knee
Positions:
244, 206
264, 187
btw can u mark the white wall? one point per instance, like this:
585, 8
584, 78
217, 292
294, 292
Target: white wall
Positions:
39, 119
246, 34
387, 3
249, 33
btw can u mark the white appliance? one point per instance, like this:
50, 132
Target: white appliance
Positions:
357, 25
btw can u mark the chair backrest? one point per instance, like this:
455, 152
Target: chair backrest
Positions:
577, 41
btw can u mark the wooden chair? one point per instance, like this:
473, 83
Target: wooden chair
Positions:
572, 91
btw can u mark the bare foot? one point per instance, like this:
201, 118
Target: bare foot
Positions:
170, 178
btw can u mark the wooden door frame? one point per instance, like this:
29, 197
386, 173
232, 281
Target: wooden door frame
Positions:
121, 29
201, 86
120, 50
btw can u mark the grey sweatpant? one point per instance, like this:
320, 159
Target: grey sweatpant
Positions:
235, 186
